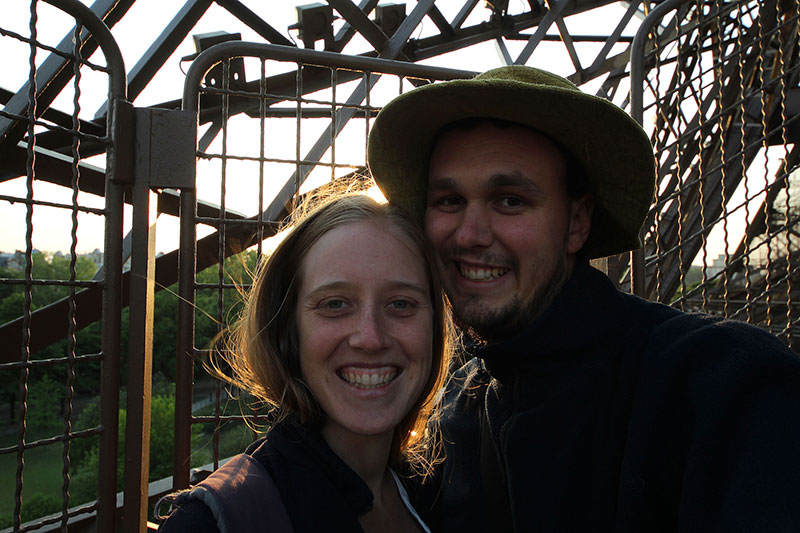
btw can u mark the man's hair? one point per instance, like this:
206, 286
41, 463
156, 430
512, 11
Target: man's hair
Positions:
265, 349
576, 183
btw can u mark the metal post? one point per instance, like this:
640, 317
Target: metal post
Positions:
118, 173
637, 112
140, 337
184, 364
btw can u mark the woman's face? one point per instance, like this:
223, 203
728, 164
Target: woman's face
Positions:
365, 322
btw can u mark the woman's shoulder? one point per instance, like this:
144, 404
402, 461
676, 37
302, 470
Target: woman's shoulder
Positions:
239, 494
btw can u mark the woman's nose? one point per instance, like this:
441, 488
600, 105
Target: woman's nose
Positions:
369, 333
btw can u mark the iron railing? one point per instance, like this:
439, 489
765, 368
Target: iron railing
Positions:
715, 83
51, 308
257, 153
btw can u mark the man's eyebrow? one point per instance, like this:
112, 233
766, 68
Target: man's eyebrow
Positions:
501, 179
513, 179
442, 184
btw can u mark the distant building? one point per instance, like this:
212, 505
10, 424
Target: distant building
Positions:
96, 256
716, 266
5, 257
14, 261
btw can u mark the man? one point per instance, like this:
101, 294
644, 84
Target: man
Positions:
585, 409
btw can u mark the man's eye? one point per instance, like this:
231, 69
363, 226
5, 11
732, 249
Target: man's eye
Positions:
510, 201
447, 201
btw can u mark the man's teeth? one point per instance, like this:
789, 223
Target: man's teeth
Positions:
368, 378
481, 274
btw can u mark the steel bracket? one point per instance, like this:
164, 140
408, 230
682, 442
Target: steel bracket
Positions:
166, 147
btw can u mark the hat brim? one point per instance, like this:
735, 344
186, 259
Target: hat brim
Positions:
614, 151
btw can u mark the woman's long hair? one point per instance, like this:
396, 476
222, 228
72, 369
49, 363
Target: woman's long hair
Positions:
264, 348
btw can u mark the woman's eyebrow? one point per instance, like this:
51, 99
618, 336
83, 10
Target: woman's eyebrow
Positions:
392, 284
326, 287
398, 284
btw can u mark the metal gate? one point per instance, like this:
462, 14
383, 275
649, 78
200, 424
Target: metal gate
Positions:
715, 83
41, 146
278, 122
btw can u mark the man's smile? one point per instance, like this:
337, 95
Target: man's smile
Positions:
481, 273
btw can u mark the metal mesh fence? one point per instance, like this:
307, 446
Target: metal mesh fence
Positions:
52, 301
719, 97
263, 144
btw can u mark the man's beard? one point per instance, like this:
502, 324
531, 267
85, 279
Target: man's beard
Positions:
487, 324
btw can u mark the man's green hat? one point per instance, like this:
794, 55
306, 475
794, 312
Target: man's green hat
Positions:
614, 151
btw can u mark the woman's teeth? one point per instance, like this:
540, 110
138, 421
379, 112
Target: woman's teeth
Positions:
368, 378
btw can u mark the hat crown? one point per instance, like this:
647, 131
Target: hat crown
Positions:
528, 75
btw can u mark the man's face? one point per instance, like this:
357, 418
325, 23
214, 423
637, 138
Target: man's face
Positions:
501, 222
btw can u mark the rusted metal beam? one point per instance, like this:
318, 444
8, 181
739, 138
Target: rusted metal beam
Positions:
358, 19
256, 23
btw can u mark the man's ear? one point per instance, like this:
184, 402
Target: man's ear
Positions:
580, 222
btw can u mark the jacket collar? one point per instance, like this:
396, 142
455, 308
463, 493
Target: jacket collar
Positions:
317, 472
569, 327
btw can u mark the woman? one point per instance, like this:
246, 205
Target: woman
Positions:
344, 333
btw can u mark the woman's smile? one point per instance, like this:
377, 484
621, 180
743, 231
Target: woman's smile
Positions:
368, 378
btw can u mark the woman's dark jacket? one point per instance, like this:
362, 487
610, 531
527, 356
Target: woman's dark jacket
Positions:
320, 492
611, 413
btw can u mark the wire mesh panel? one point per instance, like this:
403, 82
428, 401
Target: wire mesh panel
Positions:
275, 123
59, 307
719, 96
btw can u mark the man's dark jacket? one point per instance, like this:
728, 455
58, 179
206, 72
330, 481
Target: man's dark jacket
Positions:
611, 413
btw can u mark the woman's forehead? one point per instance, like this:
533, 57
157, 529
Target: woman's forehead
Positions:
365, 250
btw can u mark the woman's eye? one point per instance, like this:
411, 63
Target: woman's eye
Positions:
333, 304
332, 307
402, 305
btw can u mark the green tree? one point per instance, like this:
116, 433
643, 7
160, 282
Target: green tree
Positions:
44, 404
34, 507
84, 452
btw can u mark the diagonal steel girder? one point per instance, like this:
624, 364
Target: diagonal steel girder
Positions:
550, 17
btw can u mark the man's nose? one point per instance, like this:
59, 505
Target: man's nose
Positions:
369, 332
474, 229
